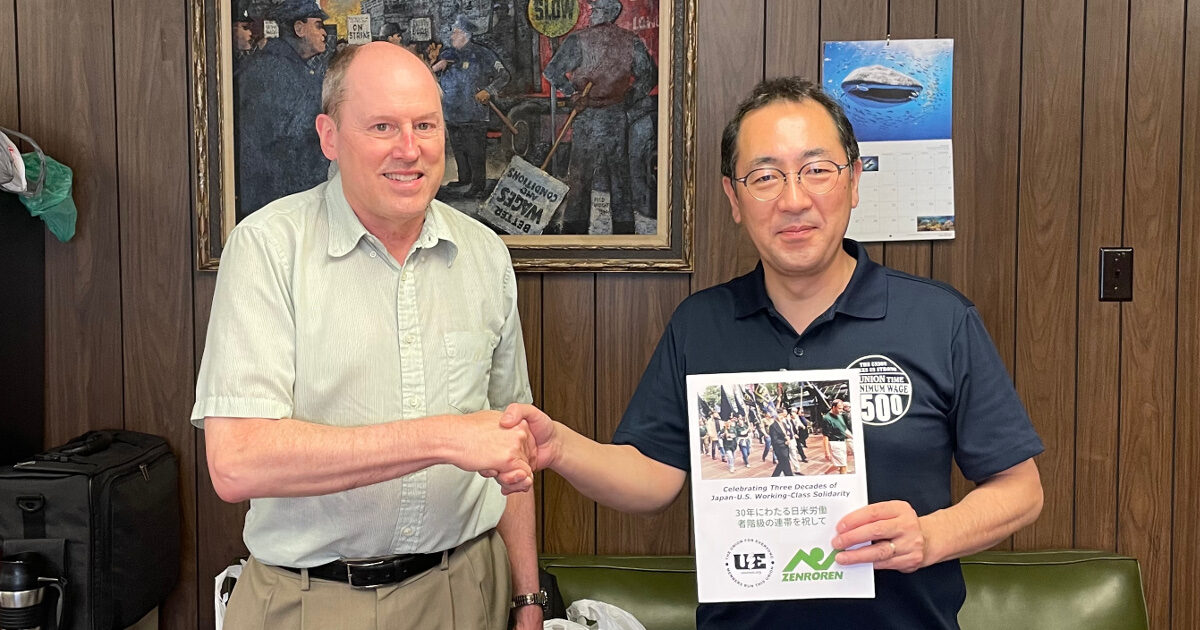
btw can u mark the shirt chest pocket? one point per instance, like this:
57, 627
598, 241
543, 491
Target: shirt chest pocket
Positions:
468, 369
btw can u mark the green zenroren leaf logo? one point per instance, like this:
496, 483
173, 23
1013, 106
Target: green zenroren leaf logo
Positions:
815, 558
818, 560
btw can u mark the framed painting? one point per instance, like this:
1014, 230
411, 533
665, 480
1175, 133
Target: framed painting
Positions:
570, 123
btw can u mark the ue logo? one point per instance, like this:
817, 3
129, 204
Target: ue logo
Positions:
749, 562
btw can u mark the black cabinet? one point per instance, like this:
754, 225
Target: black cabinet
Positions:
22, 330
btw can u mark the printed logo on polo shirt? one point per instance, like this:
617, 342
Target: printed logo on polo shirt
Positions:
886, 389
749, 562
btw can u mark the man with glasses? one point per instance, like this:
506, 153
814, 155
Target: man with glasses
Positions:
817, 301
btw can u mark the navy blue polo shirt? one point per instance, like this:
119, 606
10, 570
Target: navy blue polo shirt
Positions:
934, 392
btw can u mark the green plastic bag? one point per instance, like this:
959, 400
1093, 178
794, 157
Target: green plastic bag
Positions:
53, 205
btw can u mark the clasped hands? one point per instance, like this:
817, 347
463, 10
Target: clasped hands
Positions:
508, 446
505, 453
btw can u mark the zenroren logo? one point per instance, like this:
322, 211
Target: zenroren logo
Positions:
818, 560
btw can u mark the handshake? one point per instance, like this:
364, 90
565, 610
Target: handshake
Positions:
508, 446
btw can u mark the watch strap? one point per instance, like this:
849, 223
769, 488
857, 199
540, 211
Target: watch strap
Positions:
539, 598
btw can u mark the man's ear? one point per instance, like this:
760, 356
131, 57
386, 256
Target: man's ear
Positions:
856, 174
731, 194
298, 27
327, 129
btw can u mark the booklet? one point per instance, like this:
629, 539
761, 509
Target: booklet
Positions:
777, 460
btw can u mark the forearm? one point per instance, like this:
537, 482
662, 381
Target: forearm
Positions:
256, 457
518, 530
618, 476
988, 514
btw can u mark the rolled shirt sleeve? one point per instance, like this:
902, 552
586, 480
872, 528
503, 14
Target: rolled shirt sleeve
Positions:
248, 369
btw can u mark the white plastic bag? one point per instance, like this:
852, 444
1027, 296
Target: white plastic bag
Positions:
222, 590
601, 616
561, 624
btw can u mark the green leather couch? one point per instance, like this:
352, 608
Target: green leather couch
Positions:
1030, 590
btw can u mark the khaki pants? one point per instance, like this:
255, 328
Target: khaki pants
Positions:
469, 590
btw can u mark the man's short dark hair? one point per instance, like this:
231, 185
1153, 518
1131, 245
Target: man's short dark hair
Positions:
792, 89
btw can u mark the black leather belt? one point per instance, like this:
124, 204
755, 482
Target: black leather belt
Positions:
375, 572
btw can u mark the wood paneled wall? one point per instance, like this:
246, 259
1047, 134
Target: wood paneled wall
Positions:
1076, 126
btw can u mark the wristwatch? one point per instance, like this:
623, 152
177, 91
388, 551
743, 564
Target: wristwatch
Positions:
539, 598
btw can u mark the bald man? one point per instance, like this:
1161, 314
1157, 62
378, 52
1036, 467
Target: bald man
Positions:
362, 336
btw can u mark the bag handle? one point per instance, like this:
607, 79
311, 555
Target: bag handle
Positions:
33, 516
87, 444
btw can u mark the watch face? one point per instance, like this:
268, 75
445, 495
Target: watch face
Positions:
530, 599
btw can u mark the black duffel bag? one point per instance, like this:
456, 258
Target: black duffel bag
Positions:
103, 512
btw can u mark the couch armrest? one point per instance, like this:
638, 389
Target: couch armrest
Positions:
1053, 589
659, 591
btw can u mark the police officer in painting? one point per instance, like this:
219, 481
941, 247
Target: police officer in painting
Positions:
243, 39
470, 75
278, 95
616, 63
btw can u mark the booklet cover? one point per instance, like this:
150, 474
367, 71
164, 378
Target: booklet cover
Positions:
777, 460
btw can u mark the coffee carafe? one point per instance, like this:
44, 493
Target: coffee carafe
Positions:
23, 597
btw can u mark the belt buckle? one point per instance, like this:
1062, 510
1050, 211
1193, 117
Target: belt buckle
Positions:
364, 563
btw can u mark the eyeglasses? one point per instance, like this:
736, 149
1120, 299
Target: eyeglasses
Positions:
817, 178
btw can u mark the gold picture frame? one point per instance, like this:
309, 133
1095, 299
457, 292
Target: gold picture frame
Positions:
662, 162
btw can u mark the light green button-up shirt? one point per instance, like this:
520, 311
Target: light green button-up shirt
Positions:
313, 319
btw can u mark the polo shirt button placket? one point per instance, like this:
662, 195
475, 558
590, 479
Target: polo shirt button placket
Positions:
798, 351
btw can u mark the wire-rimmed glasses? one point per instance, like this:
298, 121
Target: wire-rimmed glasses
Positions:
817, 178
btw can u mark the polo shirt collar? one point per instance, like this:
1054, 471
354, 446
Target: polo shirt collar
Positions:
865, 295
750, 293
345, 230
